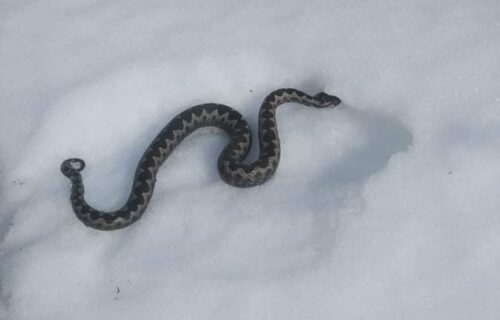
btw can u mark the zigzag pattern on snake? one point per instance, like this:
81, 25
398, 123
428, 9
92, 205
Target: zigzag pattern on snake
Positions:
230, 163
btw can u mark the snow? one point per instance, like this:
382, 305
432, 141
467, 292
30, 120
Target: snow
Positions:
383, 208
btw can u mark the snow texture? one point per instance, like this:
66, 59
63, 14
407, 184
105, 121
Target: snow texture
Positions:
386, 207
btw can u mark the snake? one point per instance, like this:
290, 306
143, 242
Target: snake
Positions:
231, 165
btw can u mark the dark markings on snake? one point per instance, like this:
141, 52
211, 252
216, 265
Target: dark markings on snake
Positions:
230, 163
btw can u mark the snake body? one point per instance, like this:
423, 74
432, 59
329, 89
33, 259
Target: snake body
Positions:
230, 163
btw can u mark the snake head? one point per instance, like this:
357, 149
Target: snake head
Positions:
325, 100
72, 166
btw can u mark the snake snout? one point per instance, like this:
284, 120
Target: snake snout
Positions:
70, 166
326, 100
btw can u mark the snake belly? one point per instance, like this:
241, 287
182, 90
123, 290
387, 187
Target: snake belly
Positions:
230, 163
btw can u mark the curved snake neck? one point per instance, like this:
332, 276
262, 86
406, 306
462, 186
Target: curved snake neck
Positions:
230, 164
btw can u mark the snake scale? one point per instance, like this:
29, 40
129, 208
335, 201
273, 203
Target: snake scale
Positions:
230, 163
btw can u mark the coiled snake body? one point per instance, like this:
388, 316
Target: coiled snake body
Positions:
230, 166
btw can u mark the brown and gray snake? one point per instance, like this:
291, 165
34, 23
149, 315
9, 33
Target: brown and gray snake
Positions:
230, 164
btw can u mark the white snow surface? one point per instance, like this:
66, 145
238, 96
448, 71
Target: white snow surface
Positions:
386, 207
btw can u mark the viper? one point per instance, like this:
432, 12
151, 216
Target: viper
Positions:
231, 166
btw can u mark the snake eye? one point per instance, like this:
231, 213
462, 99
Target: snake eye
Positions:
326, 100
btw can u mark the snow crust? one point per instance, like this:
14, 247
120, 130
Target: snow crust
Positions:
386, 207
